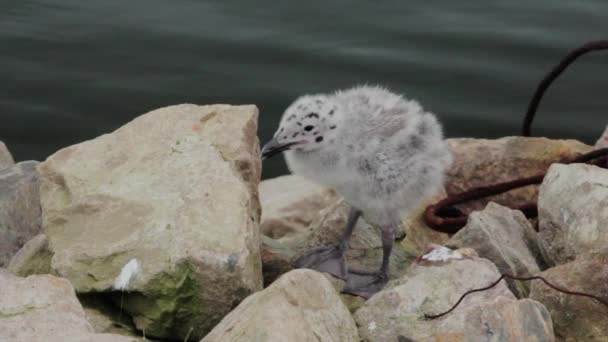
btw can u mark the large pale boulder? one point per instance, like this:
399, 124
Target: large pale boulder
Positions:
302, 305
577, 318
6, 159
19, 208
602, 142
505, 237
429, 287
170, 199
44, 308
290, 203
572, 211
480, 162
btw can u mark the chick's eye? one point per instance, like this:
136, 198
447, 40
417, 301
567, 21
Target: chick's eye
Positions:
309, 128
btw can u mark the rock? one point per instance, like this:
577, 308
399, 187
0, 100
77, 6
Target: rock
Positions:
480, 162
277, 258
19, 208
33, 258
290, 203
572, 211
302, 305
429, 287
602, 142
365, 250
44, 308
577, 318
506, 238
505, 319
6, 159
172, 193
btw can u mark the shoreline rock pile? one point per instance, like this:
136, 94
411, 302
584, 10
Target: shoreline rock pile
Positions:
162, 231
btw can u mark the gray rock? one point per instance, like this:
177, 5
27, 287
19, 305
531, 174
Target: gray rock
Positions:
433, 287
572, 211
577, 318
19, 208
6, 159
44, 308
503, 236
173, 191
301, 305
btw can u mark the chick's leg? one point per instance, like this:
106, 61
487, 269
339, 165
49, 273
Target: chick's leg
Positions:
365, 283
331, 259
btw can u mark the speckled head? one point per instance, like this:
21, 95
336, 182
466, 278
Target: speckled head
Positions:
307, 125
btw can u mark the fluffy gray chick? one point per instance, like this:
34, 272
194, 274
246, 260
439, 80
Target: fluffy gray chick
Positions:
383, 153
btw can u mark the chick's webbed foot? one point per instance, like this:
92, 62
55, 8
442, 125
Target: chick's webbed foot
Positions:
331, 259
365, 284
328, 259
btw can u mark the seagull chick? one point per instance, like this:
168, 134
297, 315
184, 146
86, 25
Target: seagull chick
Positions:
380, 151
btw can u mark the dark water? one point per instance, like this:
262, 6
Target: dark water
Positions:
71, 69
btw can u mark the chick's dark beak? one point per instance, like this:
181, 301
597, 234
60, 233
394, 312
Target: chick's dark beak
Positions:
273, 147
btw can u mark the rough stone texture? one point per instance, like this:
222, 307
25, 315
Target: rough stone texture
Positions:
480, 162
573, 214
429, 287
33, 258
19, 208
290, 203
577, 318
44, 308
503, 236
302, 305
602, 142
6, 159
505, 319
175, 189
365, 250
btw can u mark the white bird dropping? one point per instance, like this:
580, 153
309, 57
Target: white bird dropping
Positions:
128, 272
442, 254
